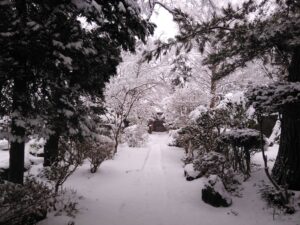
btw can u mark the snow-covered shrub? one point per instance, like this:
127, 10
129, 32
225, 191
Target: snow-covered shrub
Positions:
241, 143
211, 163
174, 135
240, 115
136, 135
36, 147
182, 102
190, 173
274, 199
71, 155
214, 163
24, 204
98, 151
65, 203
202, 133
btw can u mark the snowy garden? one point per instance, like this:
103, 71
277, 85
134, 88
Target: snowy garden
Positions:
145, 112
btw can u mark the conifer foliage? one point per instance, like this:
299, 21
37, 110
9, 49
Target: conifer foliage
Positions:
49, 58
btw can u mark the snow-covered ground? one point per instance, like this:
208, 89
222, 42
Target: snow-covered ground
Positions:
31, 146
146, 186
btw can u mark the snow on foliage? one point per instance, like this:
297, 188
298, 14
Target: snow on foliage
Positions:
136, 135
197, 112
272, 97
182, 102
232, 98
274, 137
87, 5
242, 137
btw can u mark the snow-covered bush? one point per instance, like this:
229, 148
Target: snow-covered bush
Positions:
98, 151
24, 204
174, 135
202, 133
274, 199
136, 135
190, 173
214, 163
241, 143
206, 125
36, 147
181, 103
71, 155
240, 114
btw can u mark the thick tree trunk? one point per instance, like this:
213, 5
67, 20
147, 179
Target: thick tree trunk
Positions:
19, 109
16, 155
17, 144
287, 165
51, 149
56, 123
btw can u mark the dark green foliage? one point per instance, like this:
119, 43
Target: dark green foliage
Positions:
24, 205
247, 138
273, 97
48, 60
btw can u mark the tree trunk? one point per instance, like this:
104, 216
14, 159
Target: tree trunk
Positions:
17, 144
116, 144
16, 155
213, 88
286, 170
19, 108
51, 149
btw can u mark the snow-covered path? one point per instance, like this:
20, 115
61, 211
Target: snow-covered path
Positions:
145, 186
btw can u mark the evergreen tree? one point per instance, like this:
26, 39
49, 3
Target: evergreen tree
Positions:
48, 60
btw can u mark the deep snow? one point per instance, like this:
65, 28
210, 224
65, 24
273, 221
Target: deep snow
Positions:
146, 186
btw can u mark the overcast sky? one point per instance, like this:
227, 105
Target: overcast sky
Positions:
166, 27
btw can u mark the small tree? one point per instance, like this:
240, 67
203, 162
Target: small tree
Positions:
121, 97
98, 151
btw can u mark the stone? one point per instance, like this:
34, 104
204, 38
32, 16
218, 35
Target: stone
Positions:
190, 173
215, 194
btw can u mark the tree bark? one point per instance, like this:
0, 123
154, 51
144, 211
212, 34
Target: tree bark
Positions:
286, 170
213, 87
17, 144
19, 107
51, 149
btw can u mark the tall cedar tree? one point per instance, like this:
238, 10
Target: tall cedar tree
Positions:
48, 60
240, 35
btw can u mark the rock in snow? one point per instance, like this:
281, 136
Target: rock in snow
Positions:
190, 173
214, 193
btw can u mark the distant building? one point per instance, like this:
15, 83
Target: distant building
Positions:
156, 124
